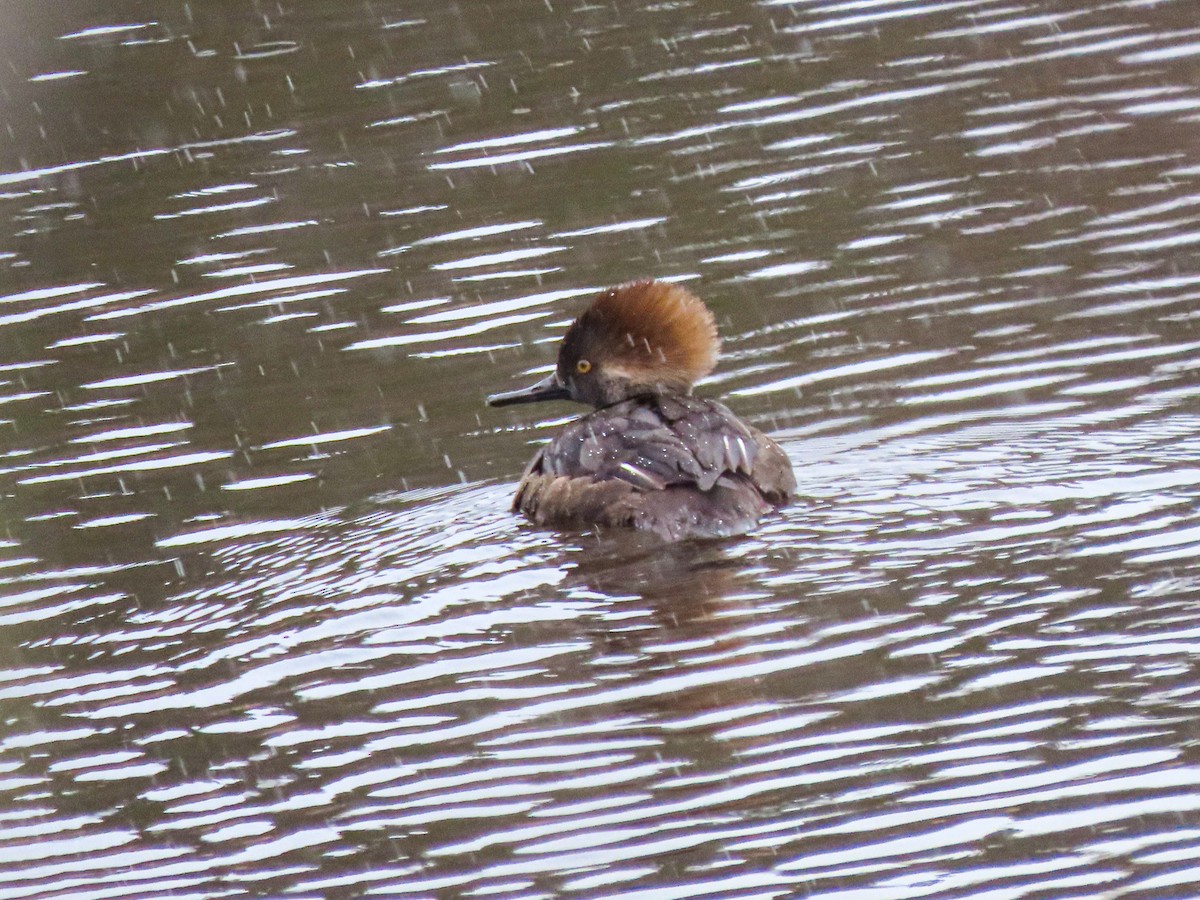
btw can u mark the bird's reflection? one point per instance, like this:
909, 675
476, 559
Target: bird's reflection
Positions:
683, 583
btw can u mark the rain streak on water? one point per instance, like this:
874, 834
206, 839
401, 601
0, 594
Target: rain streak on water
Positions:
269, 627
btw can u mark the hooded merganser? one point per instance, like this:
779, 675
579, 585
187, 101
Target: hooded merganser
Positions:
650, 455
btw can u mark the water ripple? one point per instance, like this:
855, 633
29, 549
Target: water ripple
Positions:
272, 628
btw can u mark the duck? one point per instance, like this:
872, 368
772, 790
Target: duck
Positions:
650, 456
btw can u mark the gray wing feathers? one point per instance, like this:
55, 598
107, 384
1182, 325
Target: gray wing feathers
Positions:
653, 444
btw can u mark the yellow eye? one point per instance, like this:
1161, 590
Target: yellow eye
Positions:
583, 367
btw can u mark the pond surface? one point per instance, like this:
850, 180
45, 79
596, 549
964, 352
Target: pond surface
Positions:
269, 628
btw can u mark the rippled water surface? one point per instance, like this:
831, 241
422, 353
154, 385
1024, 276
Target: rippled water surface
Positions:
269, 629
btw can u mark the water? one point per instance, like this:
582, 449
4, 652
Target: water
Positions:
270, 629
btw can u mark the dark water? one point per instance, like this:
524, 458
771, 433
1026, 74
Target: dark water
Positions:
269, 629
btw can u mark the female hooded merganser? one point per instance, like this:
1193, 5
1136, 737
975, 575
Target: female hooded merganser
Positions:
650, 455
